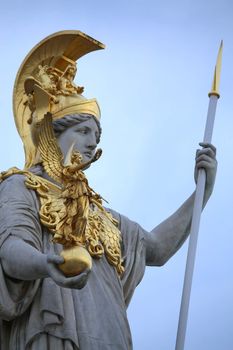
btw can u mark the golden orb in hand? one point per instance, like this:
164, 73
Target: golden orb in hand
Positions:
77, 259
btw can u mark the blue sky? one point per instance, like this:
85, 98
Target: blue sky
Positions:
152, 83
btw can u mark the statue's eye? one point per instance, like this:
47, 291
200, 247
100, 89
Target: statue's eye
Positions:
83, 131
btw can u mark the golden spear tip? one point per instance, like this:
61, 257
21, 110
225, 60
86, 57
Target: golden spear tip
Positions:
216, 81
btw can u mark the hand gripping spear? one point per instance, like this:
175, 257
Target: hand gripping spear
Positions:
197, 208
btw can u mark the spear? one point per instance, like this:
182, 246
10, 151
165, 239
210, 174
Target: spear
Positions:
197, 208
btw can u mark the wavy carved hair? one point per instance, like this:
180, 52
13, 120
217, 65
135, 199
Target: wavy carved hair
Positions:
66, 122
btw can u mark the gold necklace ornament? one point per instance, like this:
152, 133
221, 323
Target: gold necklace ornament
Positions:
101, 236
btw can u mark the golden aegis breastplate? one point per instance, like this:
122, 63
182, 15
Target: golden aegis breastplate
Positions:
101, 235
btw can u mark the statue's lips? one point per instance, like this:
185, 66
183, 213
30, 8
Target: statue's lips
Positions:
88, 154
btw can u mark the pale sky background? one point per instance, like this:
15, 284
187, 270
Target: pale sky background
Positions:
152, 84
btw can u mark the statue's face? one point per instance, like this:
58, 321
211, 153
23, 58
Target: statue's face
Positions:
83, 135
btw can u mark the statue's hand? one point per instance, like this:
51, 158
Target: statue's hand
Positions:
206, 159
76, 282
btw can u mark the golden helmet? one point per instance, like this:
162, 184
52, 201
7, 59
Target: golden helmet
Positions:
45, 83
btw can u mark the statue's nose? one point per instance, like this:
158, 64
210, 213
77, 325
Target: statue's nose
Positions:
91, 142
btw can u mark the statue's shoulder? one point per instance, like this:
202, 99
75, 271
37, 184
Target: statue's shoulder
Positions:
27, 179
12, 175
13, 183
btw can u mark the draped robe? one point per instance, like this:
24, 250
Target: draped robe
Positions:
39, 314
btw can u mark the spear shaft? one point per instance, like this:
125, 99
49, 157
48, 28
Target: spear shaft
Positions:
197, 209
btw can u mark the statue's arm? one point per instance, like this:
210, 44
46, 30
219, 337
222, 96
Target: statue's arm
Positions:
30, 264
22, 261
165, 239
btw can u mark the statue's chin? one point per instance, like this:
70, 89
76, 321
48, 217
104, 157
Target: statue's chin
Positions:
77, 259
